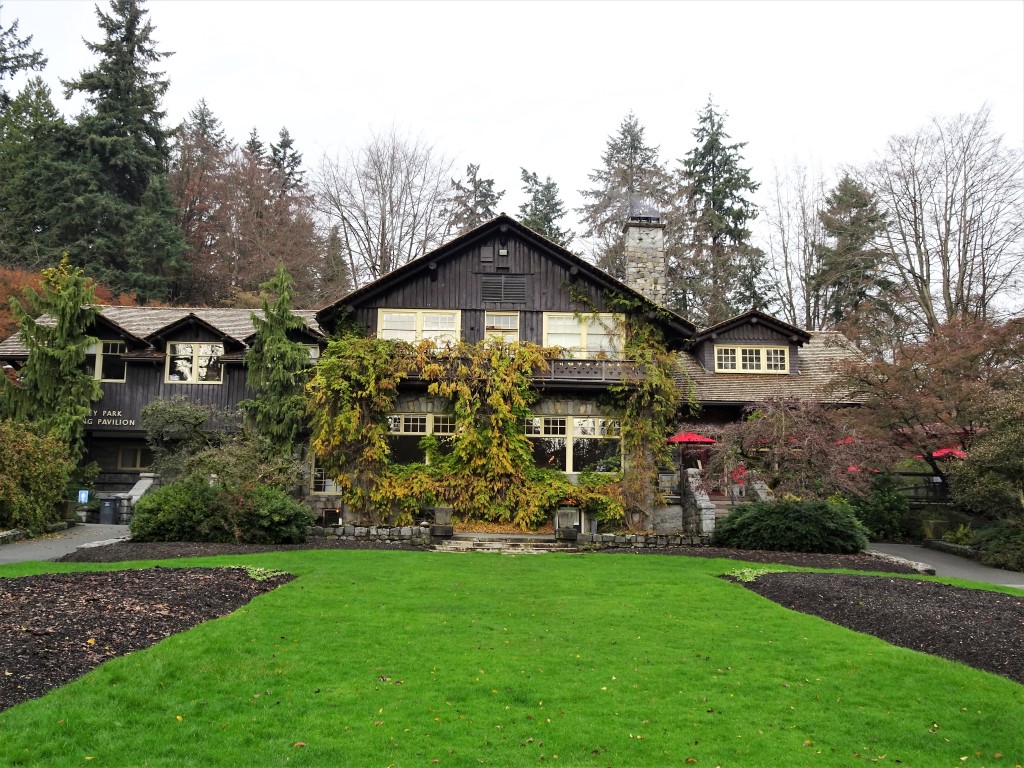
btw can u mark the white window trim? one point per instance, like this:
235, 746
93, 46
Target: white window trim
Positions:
499, 333
419, 314
195, 355
608, 320
570, 435
738, 348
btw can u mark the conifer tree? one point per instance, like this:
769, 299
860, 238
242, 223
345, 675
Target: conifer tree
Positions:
277, 368
474, 201
15, 57
127, 219
543, 208
286, 164
629, 170
54, 390
715, 271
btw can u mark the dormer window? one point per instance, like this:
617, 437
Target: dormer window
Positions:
104, 360
751, 359
194, 363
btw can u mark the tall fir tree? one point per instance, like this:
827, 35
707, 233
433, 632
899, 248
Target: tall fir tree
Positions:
54, 390
715, 271
543, 208
277, 368
629, 170
286, 164
127, 219
474, 201
15, 56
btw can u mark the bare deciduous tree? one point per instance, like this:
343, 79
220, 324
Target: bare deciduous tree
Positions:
953, 195
389, 201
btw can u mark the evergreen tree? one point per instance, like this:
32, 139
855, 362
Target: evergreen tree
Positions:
543, 208
286, 164
54, 390
127, 220
15, 57
848, 277
474, 201
34, 201
629, 170
714, 269
277, 368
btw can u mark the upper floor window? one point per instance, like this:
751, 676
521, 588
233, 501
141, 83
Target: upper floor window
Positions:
502, 325
742, 359
412, 325
193, 362
599, 335
104, 360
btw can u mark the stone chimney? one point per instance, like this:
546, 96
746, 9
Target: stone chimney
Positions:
646, 270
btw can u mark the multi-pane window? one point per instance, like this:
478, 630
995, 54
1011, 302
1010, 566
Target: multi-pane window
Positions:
322, 482
412, 325
575, 443
407, 430
586, 336
194, 363
134, 458
740, 359
104, 361
502, 325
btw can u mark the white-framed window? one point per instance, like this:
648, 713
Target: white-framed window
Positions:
192, 362
134, 458
751, 359
412, 325
501, 325
407, 429
599, 335
104, 361
575, 443
322, 483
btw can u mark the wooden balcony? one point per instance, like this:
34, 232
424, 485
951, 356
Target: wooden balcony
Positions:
582, 372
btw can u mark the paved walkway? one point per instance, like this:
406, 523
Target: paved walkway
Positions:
952, 566
55, 545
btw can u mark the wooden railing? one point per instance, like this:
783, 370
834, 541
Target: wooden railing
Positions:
603, 371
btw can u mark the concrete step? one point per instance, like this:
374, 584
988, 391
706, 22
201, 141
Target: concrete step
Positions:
503, 543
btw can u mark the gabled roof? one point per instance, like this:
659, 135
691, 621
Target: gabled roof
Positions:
501, 224
753, 317
819, 359
144, 324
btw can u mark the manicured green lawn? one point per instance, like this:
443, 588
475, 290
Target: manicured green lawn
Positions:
421, 659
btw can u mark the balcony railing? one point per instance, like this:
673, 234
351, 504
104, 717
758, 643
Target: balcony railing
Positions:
598, 371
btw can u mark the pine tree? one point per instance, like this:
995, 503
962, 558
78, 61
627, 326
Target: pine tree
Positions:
714, 269
54, 390
15, 57
286, 164
474, 201
629, 170
543, 208
34, 158
849, 278
277, 368
127, 220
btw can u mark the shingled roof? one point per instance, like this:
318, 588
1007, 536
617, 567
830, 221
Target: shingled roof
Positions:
818, 360
143, 322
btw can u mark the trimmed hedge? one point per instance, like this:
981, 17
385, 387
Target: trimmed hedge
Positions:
34, 471
195, 510
811, 525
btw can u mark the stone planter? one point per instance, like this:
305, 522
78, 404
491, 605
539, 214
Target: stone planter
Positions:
566, 534
442, 515
567, 517
442, 531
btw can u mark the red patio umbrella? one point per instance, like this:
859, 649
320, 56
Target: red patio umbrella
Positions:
690, 437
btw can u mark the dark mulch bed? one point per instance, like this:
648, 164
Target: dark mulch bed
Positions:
47, 621
979, 628
56, 627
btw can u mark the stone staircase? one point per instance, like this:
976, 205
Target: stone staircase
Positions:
502, 543
723, 506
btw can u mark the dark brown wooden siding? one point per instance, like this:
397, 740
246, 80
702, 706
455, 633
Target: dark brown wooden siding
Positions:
456, 284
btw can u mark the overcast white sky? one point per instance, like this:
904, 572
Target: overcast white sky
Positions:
543, 84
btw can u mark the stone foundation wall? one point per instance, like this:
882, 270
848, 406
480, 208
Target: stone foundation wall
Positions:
407, 534
639, 541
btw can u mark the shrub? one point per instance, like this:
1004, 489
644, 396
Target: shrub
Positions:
34, 471
794, 525
962, 535
195, 510
1002, 545
882, 511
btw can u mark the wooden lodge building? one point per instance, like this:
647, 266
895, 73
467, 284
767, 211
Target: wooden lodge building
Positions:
501, 279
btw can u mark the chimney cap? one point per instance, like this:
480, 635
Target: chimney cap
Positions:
643, 209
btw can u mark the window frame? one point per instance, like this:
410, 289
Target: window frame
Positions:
420, 315
99, 350
741, 357
613, 322
136, 465
569, 429
501, 333
196, 345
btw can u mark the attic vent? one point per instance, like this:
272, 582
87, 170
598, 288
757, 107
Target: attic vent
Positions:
509, 289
